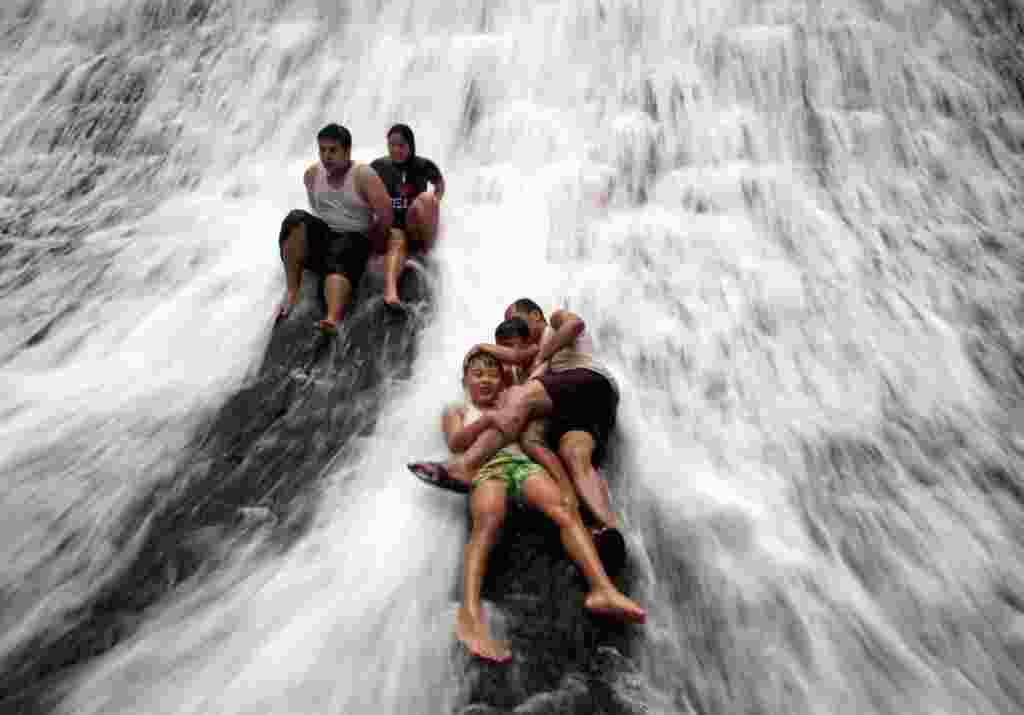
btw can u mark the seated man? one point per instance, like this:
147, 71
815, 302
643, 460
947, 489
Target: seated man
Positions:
509, 473
416, 212
349, 203
573, 389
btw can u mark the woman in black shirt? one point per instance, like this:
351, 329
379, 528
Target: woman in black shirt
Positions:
415, 209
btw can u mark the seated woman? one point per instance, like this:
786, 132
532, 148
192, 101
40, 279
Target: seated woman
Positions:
511, 474
415, 210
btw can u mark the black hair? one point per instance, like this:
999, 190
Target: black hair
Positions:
479, 355
337, 133
406, 133
512, 328
525, 305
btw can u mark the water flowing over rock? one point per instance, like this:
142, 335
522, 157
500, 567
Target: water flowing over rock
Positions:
794, 230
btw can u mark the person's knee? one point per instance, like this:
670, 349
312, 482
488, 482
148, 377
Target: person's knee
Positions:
576, 447
294, 220
422, 215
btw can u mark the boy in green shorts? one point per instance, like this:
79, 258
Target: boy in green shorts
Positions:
510, 473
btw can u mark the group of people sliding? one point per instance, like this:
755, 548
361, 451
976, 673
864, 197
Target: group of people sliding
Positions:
536, 385
357, 209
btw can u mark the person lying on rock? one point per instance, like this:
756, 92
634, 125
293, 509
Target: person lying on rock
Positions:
510, 474
515, 341
406, 176
570, 387
350, 205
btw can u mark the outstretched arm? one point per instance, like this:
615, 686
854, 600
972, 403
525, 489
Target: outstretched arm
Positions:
458, 434
515, 356
566, 328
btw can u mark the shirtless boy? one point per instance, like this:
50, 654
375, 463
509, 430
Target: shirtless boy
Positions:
509, 473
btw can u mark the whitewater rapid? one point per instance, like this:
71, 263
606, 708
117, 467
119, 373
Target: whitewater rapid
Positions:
793, 228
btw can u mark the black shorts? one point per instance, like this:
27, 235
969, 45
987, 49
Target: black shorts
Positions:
584, 401
328, 251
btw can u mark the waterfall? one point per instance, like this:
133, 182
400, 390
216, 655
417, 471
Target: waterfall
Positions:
792, 228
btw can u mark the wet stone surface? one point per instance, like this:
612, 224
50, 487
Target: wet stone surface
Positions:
255, 466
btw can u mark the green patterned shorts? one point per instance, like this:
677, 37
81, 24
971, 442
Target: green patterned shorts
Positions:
514, 469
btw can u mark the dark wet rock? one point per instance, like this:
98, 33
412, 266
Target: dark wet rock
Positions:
560, 654
253, 470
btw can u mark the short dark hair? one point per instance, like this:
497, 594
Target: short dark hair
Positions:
526, 305
479, 355
512, 328
337, 133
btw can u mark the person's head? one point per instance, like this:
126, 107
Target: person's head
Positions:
335, 142
525, 309
512, 333
401, 143
482, 377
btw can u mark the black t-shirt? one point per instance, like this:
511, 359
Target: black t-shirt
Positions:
405, 182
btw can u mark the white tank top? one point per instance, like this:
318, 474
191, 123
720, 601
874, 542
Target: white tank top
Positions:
342, 208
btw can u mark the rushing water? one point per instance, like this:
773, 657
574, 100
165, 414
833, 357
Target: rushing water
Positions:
794, 228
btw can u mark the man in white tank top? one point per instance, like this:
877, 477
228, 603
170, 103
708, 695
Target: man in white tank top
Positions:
350, 204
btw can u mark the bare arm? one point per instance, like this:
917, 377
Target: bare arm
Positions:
308, 177
458, 434
567, 327
376, 195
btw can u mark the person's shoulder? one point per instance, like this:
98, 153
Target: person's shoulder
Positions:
426, 165
312, 169
381, 162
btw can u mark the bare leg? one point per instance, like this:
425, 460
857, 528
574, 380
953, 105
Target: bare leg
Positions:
577, 449
422, 220
339, 293
487, 506
604, 598
394, 261
294, 262
532, 442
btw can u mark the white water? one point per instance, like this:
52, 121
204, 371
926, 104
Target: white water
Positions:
790, 312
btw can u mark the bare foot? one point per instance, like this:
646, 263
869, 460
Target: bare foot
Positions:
328, 327
474, 635
612, 604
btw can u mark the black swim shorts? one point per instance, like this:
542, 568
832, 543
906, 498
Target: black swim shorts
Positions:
328, 251
583, 401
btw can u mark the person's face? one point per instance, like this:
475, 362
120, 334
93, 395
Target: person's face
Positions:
332, 154
533, 319
398, 148
483, 382
515, 343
